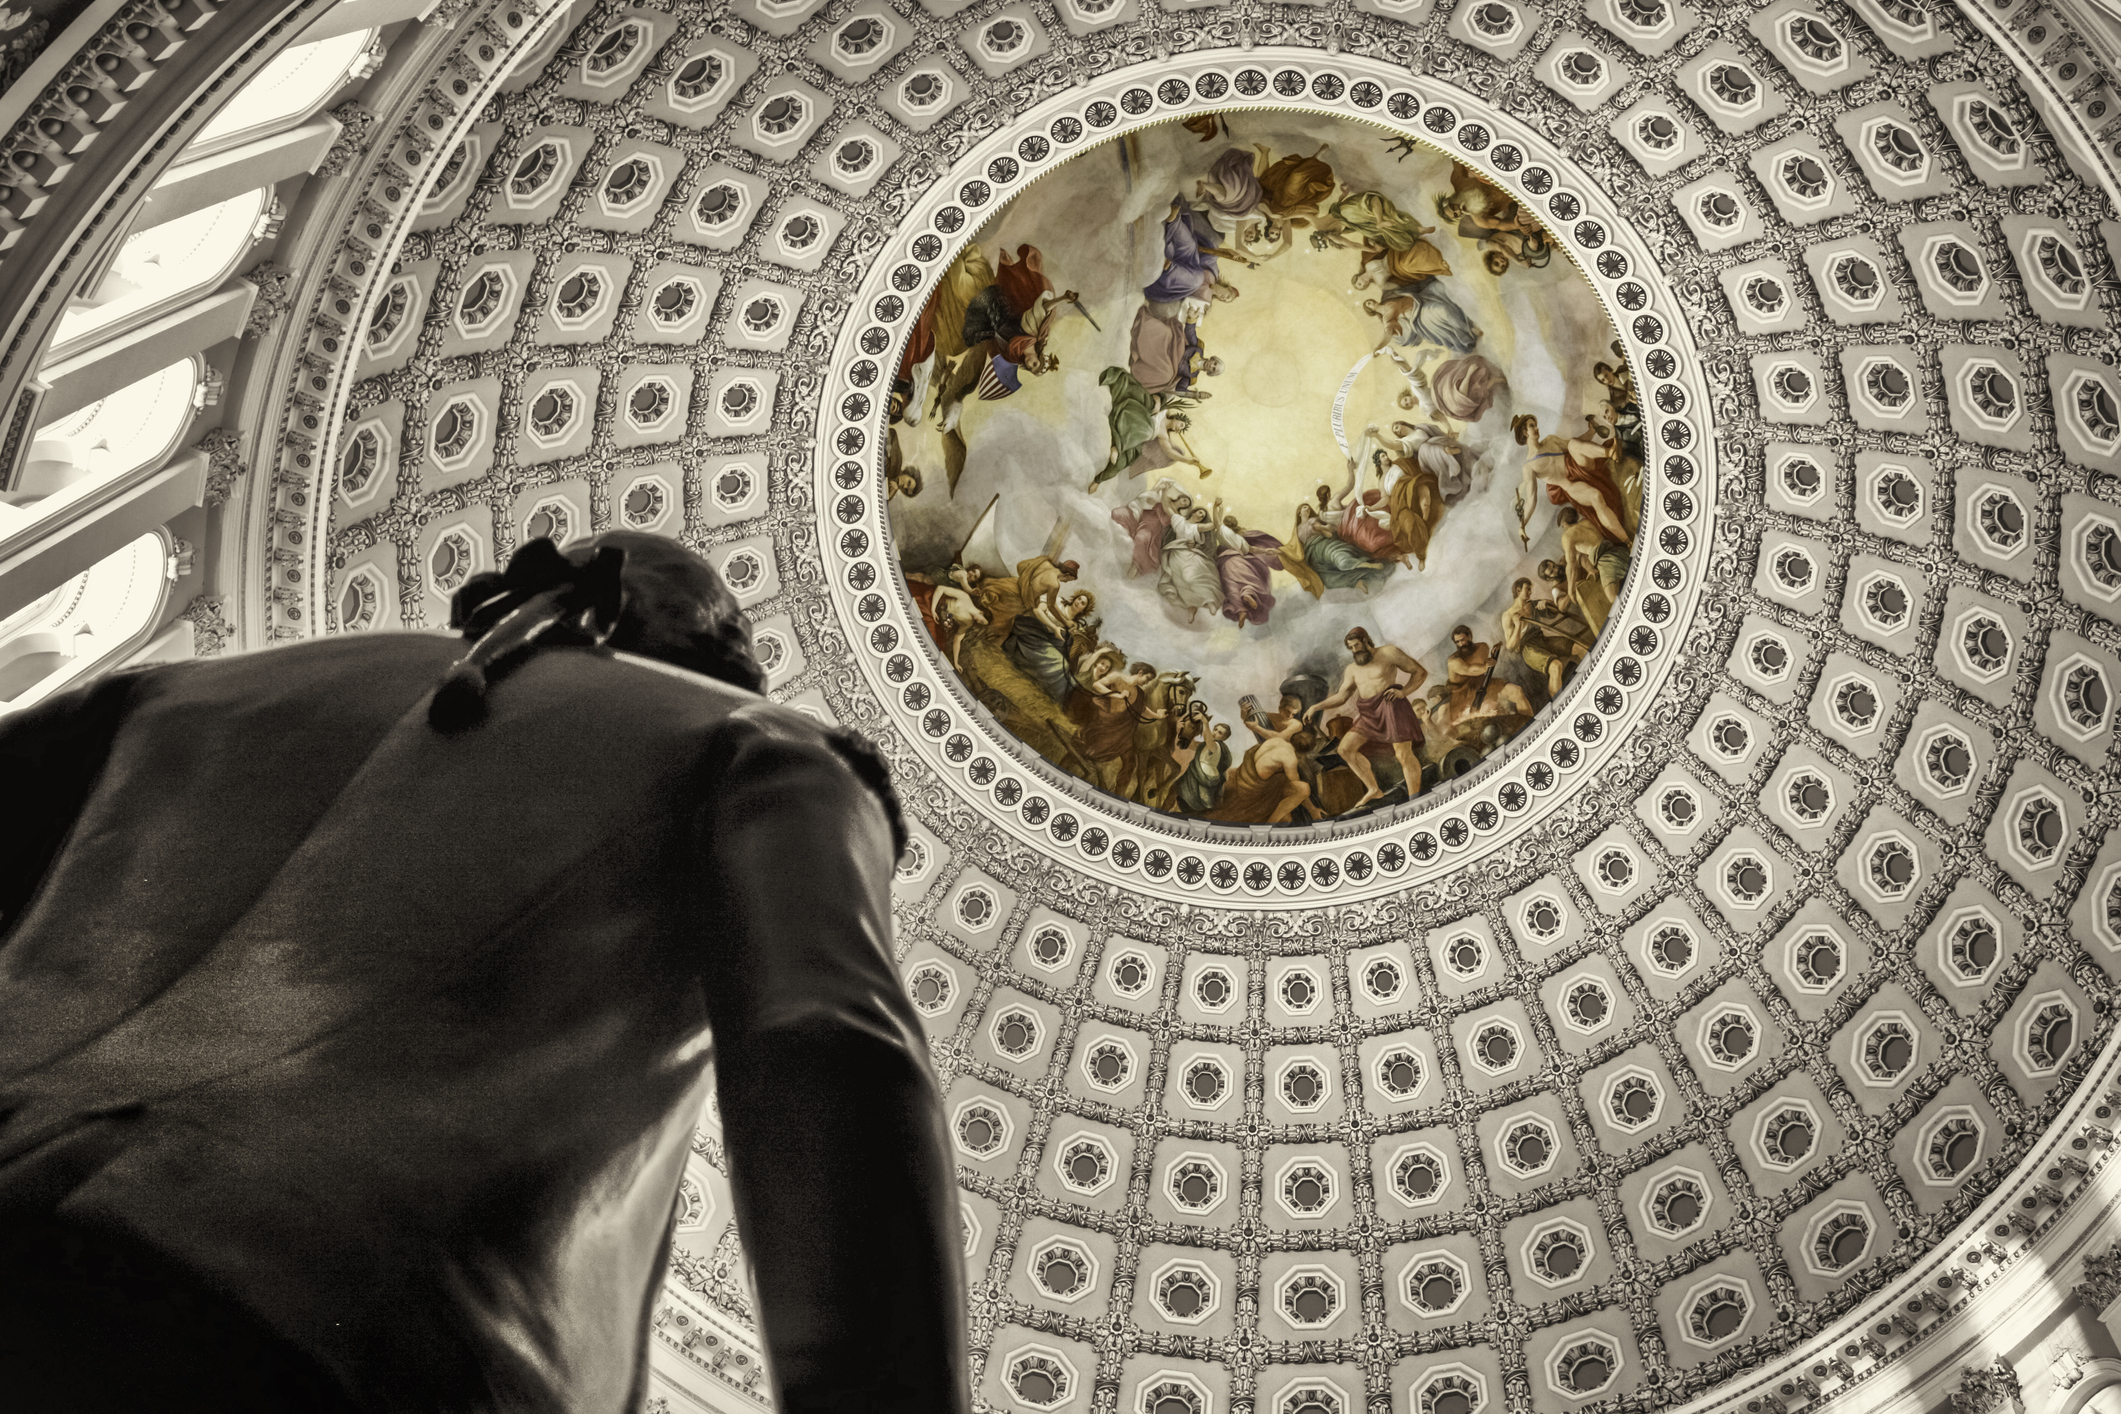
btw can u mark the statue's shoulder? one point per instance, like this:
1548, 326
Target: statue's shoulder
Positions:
785, 731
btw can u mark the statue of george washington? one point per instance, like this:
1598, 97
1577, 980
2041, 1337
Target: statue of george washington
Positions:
355, 1007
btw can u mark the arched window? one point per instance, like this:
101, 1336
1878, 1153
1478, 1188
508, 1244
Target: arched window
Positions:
294, 85
90, 624
137, 426
161, 265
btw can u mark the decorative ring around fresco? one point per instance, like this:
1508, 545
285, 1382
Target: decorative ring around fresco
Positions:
1445, 829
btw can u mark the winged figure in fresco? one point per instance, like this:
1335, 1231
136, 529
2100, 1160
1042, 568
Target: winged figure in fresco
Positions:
985, 328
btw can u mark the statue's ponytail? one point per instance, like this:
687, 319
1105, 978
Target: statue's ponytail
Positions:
543, 599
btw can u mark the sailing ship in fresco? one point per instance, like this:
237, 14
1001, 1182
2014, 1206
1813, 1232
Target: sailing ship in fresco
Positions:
1165, 580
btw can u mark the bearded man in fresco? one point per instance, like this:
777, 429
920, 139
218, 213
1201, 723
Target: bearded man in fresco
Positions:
1382, 711
1474, 691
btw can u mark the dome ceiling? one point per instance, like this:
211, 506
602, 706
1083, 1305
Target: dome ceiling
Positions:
1718, 999
1210, 398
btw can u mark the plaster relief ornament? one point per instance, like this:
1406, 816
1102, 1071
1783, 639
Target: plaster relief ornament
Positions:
1267, 481
1990, 1389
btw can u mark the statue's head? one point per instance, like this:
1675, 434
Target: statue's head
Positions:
637, 593
677, 610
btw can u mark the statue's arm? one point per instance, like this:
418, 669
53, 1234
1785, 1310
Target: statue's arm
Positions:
51, 756
845, 1190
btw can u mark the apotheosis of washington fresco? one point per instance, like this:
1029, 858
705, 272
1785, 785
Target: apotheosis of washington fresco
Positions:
1264, 468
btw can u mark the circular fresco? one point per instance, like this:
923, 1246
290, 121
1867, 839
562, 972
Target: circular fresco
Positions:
1264, 467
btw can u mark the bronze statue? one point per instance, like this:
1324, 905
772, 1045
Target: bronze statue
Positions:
353, 1030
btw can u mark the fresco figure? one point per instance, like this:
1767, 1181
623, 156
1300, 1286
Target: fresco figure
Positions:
1189, 579
1474, 690
1192, 260
901, 478
1038, 582
1382, 712
1148, 429
1165, 355
1017, 309
1147, 519
1099, 672
1293, 188
1389, 241
1038, 643
1624, 417
1575, 474
1623, 407
1366, 525
1531, 630
1442, 455
1464, 388
1246, 559
1421, 313
1190, 729
1154, 764
1200, 789
1491, 218
1595, 567
1266, 788
1257, 199
1420, 473
1320, 560
1231, 193
1309, 768
1414, 500
1108, 741
954, 610
983, 328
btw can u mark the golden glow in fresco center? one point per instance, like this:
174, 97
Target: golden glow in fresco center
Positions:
1264, 467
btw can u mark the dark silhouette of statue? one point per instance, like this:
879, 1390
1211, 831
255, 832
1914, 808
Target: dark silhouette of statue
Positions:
355, 1012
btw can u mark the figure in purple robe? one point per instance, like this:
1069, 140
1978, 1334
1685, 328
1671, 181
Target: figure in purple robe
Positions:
1230, 190
1191, 268
1247, 574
